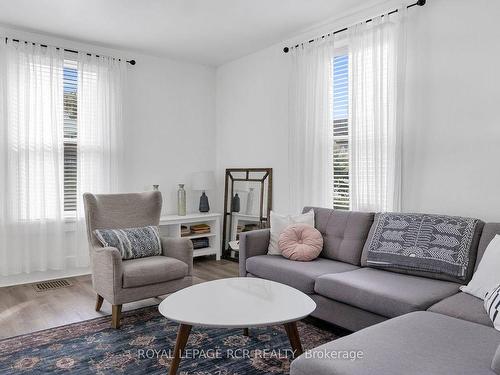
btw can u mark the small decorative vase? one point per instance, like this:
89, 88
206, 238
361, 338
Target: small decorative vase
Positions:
204, 206
250, 198
236, 203
181, 200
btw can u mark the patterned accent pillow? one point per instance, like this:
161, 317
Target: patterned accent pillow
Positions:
301, 242
492, 306
132, 242
436, 244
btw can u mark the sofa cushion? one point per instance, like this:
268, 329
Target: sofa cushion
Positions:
413, 344
132, 242
463, 306
152, 270
438, 246
301, 242
490, 230
343, 315
486, 277
495, 364
385, 293
278, 225
300, 275
492, 306
344, 233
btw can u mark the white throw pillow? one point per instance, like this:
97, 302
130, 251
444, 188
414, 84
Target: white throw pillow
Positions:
279, 224
492, 304
487, 275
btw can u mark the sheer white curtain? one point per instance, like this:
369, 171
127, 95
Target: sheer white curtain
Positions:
377, 61
101, 82
311, 125
35, 232
31, 158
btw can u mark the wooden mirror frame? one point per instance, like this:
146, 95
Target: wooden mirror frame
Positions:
229, 188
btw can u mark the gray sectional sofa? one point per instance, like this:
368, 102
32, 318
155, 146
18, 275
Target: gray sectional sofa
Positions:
406, 323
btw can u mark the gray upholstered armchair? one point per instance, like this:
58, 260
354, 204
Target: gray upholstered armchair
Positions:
121, 281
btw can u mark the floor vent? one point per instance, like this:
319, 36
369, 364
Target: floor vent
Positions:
49, 285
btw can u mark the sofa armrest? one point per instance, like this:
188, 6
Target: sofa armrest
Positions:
495, 364
252, 243
179, 248
107, 272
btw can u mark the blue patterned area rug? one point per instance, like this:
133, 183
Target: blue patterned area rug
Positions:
144, 344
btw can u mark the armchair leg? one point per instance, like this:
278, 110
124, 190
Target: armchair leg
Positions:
98, 303
116, 316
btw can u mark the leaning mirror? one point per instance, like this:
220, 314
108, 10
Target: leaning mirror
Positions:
247, 204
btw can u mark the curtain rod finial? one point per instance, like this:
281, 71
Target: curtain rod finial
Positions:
286, 49
132, 62
421, 2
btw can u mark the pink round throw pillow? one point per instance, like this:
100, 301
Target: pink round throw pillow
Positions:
300, 242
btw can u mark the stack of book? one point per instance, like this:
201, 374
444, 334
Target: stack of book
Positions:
200, 243
185, 231
200, 229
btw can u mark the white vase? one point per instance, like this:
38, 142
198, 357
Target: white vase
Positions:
250, 199
181, 201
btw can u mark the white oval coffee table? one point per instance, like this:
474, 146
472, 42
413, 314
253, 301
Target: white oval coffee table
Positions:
239, 302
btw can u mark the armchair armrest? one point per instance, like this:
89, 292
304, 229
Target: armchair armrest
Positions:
179, 248
252, 243
107, 271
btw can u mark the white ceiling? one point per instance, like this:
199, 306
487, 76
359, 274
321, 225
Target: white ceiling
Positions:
203, 31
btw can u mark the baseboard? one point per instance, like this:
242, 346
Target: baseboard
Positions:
29, 278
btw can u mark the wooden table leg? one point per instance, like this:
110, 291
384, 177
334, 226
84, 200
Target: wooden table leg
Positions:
180, 344
293, 336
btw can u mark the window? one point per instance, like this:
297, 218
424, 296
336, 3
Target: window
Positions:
70, 81
341, 132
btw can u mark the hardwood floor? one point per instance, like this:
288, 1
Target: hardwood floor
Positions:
24, 310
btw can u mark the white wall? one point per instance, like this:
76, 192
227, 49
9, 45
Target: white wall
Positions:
452, 135
170, 129
452, 126
252, 118
169, 119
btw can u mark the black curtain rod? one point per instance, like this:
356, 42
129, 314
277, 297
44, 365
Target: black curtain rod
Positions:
131, 62
420, 3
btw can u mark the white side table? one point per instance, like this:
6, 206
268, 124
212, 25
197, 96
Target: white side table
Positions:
170, 226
